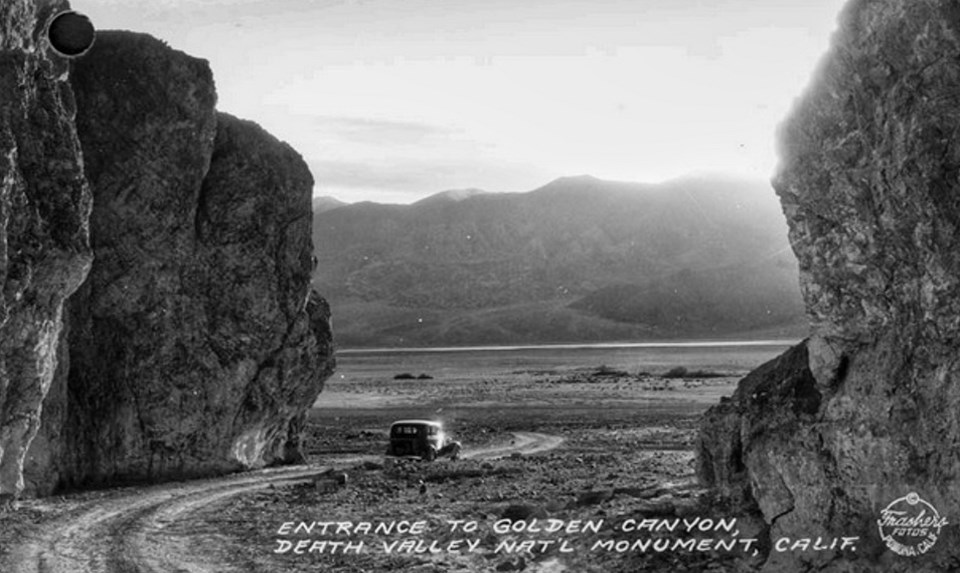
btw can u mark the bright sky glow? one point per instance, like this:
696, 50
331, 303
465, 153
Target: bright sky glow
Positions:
393, 100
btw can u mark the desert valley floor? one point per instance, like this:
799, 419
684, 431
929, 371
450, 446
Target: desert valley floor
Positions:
575, 459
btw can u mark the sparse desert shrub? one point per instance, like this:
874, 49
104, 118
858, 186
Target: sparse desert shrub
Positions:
409, 376
605, 370
682, 372
441, 474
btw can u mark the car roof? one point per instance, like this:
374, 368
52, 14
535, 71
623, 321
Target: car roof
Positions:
416, 423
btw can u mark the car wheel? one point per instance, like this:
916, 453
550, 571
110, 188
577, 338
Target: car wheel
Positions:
430, 454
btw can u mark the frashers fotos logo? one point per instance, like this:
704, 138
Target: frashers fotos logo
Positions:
910, 526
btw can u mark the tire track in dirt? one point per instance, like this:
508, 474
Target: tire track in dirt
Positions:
125, 534
523, 443
152, 529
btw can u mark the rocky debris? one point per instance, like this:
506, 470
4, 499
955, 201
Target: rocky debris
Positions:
523, 512
44, 211
594, 497
865, 411
369, 465
513, 565
195, 344
330, 481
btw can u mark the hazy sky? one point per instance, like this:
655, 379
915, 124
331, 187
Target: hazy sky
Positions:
393, 100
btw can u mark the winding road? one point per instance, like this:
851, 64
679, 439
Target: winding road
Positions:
523, 443
140, 531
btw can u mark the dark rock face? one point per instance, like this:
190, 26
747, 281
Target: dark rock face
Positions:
195, 345
779, 397
44, 208
870, 185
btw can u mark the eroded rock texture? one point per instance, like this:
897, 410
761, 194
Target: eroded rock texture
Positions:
870, 184
44, 207
195, 346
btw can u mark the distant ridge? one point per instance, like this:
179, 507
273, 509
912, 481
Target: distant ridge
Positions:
451, 196
326, 203
579, 259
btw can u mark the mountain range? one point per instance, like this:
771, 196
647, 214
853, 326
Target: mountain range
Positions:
578, 260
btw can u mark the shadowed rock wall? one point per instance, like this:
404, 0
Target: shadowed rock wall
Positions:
868, 409
195, 345
44, 206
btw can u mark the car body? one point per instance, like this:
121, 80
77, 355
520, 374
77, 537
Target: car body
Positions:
421, 438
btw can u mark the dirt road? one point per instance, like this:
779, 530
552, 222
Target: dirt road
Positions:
153, 529
523, 443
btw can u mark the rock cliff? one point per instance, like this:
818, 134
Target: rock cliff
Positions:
866, 410
44, 207
194, 344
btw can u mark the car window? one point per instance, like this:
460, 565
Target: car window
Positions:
405, 430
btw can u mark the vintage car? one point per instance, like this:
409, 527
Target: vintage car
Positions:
421, 438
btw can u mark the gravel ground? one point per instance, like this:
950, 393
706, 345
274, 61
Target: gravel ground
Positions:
618, 477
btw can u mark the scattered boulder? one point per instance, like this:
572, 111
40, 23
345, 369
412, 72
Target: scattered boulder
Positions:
519, 565
595, 497
325, 485
523, 512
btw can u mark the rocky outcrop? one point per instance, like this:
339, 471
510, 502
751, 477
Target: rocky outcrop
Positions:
870, 184
44, 207
195, 345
